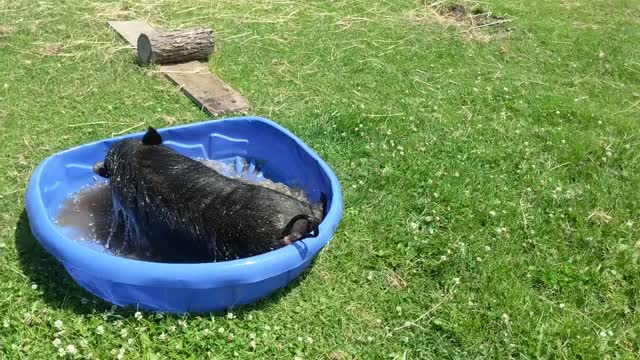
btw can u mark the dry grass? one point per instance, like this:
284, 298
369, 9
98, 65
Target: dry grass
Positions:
473, 23
599, 217
52, 49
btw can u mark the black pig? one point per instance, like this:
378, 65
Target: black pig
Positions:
180, 210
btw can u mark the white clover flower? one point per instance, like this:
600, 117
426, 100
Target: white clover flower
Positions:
230, 315
57, 342
138, 315
163, 336
58, 324
71, 349
100, 330
34, 286
62, 352
221, 330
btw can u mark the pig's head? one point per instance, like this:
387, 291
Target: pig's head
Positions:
104, 168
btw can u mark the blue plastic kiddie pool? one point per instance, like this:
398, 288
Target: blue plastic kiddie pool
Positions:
181, 288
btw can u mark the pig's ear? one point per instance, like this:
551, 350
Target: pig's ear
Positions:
151, 137
100, 169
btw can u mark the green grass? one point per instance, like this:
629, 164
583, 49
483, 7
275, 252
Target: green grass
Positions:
491, 187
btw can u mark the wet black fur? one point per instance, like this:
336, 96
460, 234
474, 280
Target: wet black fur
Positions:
185, 211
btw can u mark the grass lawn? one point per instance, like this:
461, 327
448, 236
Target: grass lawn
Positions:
490, 177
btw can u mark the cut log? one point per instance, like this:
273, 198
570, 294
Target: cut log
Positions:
179, 46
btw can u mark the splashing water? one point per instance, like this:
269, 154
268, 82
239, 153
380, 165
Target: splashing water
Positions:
245, 171
91, 215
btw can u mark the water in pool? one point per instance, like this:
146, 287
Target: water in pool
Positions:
88, 215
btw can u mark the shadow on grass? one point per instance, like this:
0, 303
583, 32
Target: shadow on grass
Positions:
60, 291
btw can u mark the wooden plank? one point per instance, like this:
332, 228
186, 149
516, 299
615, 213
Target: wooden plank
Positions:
208, 91
131, 30
204, 88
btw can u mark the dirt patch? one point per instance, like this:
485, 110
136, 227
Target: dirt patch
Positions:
395, 281
169, 120
338, 355
474, 22
52, 49
6, 30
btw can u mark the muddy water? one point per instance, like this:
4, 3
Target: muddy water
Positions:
90, 213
